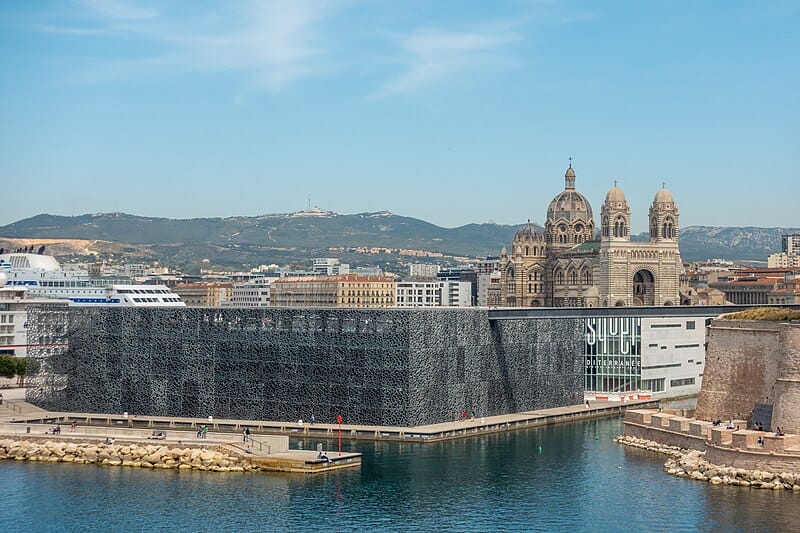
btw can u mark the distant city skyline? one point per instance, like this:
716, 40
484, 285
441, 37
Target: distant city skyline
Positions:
452, 112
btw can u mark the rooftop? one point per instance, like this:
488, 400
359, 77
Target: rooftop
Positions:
771, 314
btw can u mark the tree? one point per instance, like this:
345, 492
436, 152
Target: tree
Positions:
8, 366
22, 366
11, 366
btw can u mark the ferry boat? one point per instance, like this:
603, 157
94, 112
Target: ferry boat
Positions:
44, 277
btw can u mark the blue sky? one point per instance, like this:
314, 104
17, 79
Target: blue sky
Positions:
450, 111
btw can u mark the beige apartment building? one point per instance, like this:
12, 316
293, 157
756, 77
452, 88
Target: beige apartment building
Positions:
349, 290
205, 294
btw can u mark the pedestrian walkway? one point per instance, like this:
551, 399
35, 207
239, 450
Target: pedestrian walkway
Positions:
426, 433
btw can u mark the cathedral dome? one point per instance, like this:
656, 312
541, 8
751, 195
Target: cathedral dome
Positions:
569, 205
615, 196
663, 197
528, 233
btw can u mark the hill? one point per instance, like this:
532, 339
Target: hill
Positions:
298, 236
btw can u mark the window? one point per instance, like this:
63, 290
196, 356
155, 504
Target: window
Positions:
670, 365
681, 382
653, 385
690, 324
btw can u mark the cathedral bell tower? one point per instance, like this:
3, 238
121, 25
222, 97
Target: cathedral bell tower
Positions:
663, 217
615, 216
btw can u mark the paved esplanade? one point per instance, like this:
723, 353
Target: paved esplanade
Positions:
230, 430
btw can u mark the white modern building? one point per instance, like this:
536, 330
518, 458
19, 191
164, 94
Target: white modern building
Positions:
14, 303
430, 293
253, 293
423, 270
329, 266
663, 356
418, 293
456, 293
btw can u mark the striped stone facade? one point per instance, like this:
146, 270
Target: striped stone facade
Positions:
568, 266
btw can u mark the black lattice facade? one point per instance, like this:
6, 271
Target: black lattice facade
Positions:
400, 367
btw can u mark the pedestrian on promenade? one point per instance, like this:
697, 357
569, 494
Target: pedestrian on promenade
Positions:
205, 431
1, 398
199, 432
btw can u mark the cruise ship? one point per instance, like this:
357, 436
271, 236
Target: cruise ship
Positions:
44, 277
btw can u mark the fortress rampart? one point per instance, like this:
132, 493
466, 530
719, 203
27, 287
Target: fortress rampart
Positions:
750, 362
735, 448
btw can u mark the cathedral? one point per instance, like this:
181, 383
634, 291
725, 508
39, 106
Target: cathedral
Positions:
572, 265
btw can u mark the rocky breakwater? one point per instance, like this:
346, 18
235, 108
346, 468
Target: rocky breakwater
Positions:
133, 455
692, 465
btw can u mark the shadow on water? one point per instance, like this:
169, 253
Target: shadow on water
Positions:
580, 480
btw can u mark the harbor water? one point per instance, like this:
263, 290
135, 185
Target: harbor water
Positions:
558, 478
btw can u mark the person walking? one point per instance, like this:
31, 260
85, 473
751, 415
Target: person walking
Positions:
246, 434
205, 431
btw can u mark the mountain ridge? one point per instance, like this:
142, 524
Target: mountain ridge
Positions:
315, 230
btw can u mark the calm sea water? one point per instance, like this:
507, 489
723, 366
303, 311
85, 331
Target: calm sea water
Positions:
581, 481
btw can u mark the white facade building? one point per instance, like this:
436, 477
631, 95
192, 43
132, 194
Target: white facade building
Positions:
253, 293
456, 293
429, 293
423, 270
662, 356
329, 266
673, 355
418, 293
783, 260
14, 303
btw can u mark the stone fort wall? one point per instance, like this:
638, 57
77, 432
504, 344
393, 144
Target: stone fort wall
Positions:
401, 367
749, 362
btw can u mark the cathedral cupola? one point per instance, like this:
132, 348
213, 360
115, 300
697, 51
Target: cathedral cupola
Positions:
615, 215
569, 217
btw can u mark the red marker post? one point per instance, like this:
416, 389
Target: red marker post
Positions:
339, 421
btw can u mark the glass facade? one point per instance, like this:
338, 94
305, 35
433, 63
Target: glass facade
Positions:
612, 354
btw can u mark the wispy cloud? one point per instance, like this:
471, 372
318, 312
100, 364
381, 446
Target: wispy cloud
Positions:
272, 43
118, 9
433, 55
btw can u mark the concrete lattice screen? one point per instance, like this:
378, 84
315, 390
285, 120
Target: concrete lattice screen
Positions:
388, 367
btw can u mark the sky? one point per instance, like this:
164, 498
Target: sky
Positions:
451, 111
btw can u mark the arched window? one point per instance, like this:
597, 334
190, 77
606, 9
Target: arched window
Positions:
573, 278
606, 227
560, 277
587, 277
527, 251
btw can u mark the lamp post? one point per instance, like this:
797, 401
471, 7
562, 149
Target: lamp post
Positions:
339, 421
